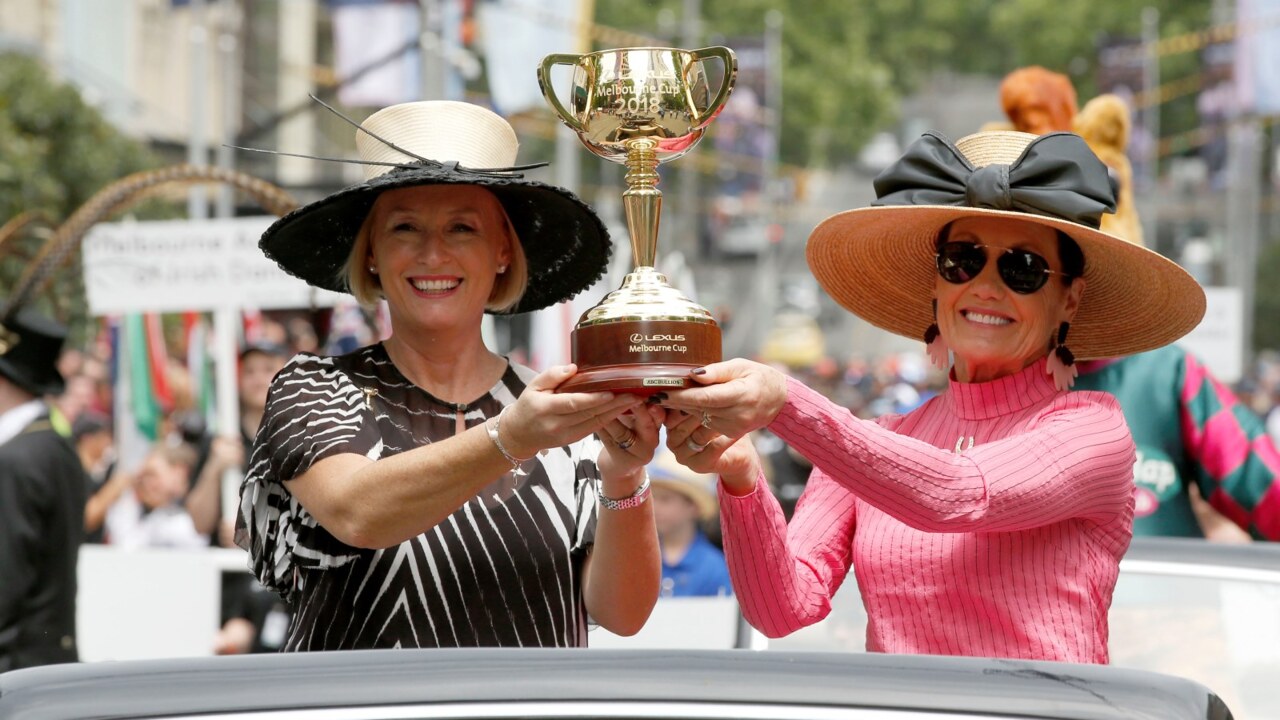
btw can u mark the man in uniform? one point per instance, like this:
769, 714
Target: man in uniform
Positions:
42, 498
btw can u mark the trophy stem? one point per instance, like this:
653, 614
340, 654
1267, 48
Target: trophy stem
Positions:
642, 201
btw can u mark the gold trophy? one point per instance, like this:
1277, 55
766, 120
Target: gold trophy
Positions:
640, 107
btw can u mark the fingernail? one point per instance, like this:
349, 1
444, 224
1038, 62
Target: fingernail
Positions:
699, 371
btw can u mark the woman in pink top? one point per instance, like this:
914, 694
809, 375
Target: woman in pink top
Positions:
991, 520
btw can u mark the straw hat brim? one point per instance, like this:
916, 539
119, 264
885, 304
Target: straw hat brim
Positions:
878, 262
564, 241
703, 499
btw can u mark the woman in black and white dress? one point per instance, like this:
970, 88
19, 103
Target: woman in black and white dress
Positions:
423, 491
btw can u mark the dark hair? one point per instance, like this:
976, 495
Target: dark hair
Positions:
88, 423
1069, 252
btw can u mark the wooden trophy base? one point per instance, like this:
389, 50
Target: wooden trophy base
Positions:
641, 356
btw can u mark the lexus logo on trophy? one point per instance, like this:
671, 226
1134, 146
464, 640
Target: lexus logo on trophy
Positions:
641, 107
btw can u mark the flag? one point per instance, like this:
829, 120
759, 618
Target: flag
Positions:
1258, 56
158, 363
199, 366
136, 371
132, 443
517, 34
376, 56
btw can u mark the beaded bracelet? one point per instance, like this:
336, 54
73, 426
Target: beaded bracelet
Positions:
635, 499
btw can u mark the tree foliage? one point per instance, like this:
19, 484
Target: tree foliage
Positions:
848, 64
55, 153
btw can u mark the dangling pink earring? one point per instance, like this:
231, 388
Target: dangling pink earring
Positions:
1061, 363
936, 347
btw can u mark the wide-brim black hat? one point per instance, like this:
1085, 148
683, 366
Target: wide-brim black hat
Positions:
447, 143
30, 344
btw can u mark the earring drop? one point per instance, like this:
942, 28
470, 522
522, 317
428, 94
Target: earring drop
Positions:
1061, 363
373, 270
936, 347
502, 269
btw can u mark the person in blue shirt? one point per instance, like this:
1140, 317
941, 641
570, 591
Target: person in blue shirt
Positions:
682, 501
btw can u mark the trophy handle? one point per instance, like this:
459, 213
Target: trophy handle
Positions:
726, 56
549, 92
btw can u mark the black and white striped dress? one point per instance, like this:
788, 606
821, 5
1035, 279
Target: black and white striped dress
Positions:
503, 570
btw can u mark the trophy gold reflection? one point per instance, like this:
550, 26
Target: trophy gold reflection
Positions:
641, 107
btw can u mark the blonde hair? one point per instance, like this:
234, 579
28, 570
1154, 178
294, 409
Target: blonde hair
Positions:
508, 287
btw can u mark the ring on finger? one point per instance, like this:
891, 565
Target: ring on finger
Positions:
695, 445
706, 419
627, 442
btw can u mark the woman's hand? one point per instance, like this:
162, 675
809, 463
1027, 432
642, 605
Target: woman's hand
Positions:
738, 396
708, 452
629, 441
542, 418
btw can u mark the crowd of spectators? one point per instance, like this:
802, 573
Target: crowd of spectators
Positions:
174, 498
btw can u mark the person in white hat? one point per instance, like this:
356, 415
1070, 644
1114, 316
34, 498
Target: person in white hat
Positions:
424, 491
991, 520
682, 501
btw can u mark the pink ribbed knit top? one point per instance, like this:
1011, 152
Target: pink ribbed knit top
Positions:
989, 522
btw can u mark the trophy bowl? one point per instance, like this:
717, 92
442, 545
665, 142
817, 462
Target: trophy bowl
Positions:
641, 107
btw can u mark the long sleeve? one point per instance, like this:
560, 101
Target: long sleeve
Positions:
1236, 464
1025, 480
20, 536
785, 575
990, 521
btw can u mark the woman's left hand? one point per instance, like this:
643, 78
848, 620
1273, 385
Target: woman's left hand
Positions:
629, 442
708, 452
737, 396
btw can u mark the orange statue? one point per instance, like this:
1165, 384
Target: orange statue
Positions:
1037, 100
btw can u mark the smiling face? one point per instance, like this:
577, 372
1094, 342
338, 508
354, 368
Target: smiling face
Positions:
993, 330
437, 250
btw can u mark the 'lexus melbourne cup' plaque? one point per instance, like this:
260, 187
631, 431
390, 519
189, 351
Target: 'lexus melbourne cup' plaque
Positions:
641, 107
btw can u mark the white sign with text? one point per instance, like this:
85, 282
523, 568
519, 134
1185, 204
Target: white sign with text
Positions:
1219, 338
177, 265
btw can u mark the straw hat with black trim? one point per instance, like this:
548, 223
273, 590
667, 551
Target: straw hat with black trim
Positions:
447, 143
879, 261
665, 471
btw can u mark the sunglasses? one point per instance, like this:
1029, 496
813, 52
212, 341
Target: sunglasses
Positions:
1022, 271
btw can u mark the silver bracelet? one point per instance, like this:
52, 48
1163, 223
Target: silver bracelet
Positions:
635, 499
492, 429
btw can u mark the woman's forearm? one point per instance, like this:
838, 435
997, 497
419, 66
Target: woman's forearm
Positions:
95, 509
623, 574
381, 504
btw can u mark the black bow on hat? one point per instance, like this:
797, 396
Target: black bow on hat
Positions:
1057, 176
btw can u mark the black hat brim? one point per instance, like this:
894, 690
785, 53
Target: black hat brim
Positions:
565, 243
48, 382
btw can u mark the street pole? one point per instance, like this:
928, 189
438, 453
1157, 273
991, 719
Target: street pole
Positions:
1151, 121
1244, 201
686, 239
228, 55
198, 143
432, 49
227, 320
297, 48
767, 284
